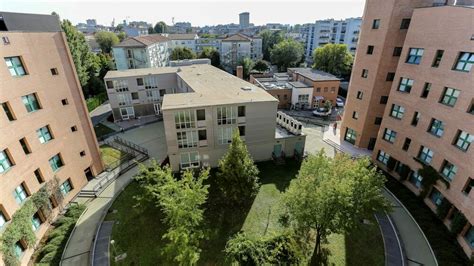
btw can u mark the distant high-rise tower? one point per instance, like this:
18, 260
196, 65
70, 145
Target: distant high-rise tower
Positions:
244, 20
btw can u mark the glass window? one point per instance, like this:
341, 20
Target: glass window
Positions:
389, 135
425, 155
383, 157
397, 51
65, 187
464, 62
124, 99
414, 56
5, 161
139, 81
31, 102
365, 73
436, 197
8, 111
189, 160
426, 90
415, 119
383, 99
120, 85
3, 220
20, 194
36, 222
185, 119
469, 236
202, 134
241, 111
25, 146
360, 95
44, 134
416, 179
397, 111
151, 95
406, 144
390, 76
463, 140
241, 131
303, 98
56, 162
469, 185
378, 120
405, 24
450, 96
376, 24
437, 59
351, 135
449, 170
355, 115
370, 49
19, 249
405, 85
151, 82
187, 139
39, 176
201, 114
224, 135
15, 66
134, 95
436, 127
226, 115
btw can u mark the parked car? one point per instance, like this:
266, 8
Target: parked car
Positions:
322, 111
339, 102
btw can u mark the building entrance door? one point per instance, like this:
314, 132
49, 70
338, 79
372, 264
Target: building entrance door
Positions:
277, 150
88, 174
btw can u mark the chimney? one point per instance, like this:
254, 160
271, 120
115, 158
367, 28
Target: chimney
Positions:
240, 72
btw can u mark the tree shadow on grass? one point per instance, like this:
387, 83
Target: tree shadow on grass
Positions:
280, 175
364, 246
321, 258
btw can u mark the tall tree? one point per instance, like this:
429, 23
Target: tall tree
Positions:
334, 59
269, 40
287, 53
121, 35
237, 176
151, 30
247, 65
161, 27
106, 40
181, 53
261, 66
333, 196
212, 54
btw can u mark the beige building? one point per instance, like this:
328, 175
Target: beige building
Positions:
412, 90
45, 128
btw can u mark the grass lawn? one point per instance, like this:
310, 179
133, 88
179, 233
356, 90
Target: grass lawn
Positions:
139, 229
111, 155
102, 130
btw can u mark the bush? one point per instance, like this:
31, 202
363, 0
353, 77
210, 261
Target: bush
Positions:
443, 209
458, 223
96, 101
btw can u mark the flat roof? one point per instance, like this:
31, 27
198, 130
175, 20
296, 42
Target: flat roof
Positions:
298, 84
313, 74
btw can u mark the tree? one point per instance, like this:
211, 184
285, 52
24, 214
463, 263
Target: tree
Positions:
247, 65
237, 176
261, 66
333, 196
334, 59
160, 27
121, 35
181, 202
286, 54
106, 40
212, 54
151, 30
181, 53
269, 40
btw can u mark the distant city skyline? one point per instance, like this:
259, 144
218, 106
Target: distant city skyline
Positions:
195, 12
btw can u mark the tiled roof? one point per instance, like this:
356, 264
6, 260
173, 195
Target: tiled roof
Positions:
239, 37
184, 36
142, 41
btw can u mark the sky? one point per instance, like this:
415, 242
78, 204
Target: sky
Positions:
198, 12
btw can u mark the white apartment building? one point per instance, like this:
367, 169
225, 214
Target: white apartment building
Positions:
213, 43
201, 107
187, 40
238, 46
142, 52
331, 31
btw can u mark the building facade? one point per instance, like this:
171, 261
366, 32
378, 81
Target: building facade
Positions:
412, 91
46, 133
142, 52
244, 20
238, 46
187, 40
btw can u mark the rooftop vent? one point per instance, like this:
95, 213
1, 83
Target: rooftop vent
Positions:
247, 88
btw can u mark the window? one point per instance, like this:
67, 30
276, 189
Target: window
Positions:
426, 90
405, 24
365, 73
425, 155
15, 66
152, 95
20, 194
241, 131
56, 162
406, 144
437, 59
64, 102
464, 62
185, 119
390, 76
359, 95
226, 115
73, 128
333, 89
31, 102
44, 134
350, 136
469, 237
467, 188
39, 176
5, 161
397, 111
189, 160
134, 95
151, 82
370, 49
36, 221
414, 56
383, 157
201, 115
187, 139
449, 170
3, 220
470, 110
450, 96
202, 134
110, 84
162, 92
6, 41
318, 89
397, 51
24, 145
54, 71
416, 179
127, 113
436, 127
241, 111
8, 111
224, 135
19, 249
303, 98
376, 24
66, 187
355, 115
383, 99
139, 81
120, 85
389, 135
82, 153
463, 140
405, 85
378, 120
415, 119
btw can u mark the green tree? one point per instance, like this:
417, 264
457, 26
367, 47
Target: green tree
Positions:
333, 196
121, 35
269, 40
182, 204
161, 27
181, 53
261, 66
151, 30
334, 59
247, 65
237, 176
212, 54
106, 40
287, 53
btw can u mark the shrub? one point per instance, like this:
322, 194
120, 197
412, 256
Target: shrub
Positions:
458, 223
443, 209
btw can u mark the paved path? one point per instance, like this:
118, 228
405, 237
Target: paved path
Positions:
101, 256
391, 242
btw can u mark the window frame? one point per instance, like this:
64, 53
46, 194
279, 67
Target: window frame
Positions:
31, 101
56, 162
447, 99
44, 134
465, 141
405, 85
399, 111
466, 63
389, 135
414, 56
16, 65
436, 127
